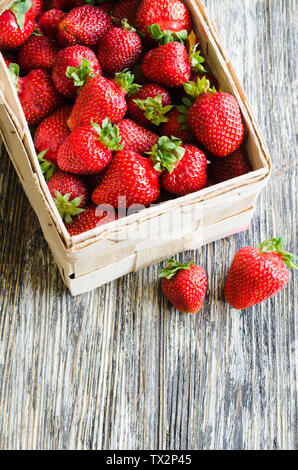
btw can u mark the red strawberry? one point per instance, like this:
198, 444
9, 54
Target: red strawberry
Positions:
176, 126
52, 132
149, 105
91, 218
135, 137
84, 25
73, 66
119, 49
258, 273
169, 15
70, 194
129, 177
167, 64
187, 175
38, 7
49, 22
233, 165
184, 285
88, 150
215, 118
126, 10
37, 94
16, 24
38, 52
101, 98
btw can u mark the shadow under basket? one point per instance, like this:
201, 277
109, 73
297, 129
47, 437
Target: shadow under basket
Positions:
129, 244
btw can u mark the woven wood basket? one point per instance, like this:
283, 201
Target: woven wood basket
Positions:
141, 239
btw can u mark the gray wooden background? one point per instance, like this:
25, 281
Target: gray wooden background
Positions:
118, 368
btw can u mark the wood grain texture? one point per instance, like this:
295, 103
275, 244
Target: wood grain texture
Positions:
118, 368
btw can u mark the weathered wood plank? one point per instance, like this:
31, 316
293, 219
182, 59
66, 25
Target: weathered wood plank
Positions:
118, 368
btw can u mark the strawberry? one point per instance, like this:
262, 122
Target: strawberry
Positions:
256, 274
187, 175
49, 22
126, 10
88, 149
167, 65
135, 137
129, 177
38, 7
16, 24
36, 93
52, 132
84, 25
73, 66
184, 285
118, 49
91, 218
149, 105
70, 194
235, 164
169, 15
38, 52
215, 118
176, 125
101, 98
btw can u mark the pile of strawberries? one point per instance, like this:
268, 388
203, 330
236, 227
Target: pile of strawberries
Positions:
121, 103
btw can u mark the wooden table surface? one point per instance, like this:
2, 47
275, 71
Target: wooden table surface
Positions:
118, 368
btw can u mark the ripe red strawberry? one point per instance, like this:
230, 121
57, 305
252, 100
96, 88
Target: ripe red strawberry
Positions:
38, 52
176, 126
49, 22
150, 105
126, 9
118, 49
101, 98
37, 94
70, 194
135, 137
215, 119
233, 165
258, 273
84, 25
184, 285
73, 66
167, 65
169, 15
52, 132
187, 175
130, 177
91, 218
88, 149
16, 24
38, 7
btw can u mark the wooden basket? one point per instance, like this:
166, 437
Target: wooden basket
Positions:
94, 258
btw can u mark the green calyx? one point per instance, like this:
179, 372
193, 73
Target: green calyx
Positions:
196, 60
165, 37
183, 112
196, 89
47, 168
173, 268
108, 135
127, 27
166, 153
19, 9
14, 73
153, 109
275, 245
81, 74
125, 81
67, 209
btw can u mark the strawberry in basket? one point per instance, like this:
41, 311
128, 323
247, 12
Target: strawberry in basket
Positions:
16, 24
